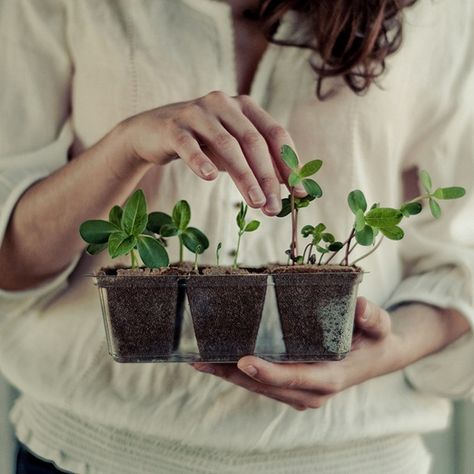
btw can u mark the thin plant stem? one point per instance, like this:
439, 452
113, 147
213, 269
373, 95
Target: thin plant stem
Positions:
368, 253
346, 258
294, 227
134, 259
310, 246
321, 259
181, 250
196, 262
335, 252
419, 198
354, 245
236, 256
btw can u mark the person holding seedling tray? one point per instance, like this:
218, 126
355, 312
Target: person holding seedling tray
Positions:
263, 192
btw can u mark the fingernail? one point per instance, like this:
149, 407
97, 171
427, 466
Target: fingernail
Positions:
256, 196
207, 169
208, 369
273, 204
250, 370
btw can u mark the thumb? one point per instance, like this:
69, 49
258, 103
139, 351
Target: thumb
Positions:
371, 319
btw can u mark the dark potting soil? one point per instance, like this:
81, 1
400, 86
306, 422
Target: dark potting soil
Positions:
226, 312
142, 314
317, 311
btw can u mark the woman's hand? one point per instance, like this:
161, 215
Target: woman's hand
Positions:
381, 344
217, 132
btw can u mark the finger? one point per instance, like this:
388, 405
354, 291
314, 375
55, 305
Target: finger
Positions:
222, 143
188, 149
371, 319
275, 135
323, 377
298, 399
258, 156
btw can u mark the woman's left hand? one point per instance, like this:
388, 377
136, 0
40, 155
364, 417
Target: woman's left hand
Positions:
376, 350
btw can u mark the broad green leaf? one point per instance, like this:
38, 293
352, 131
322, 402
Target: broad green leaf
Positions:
359, 220
251, 226
383, 217
152, 253
312, 187
120, 243
289, 157
393, 233
335, 246
356, 201
329, 238
365, 236
294, 179
195, 240
181, 214
135, 217
169, 230
310, 168
156, 220
411, 208
435, 209
307, 230
425, 179
453, 192
97, 231
94, 249
285, 207
115, 216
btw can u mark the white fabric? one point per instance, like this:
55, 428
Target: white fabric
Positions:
71, 70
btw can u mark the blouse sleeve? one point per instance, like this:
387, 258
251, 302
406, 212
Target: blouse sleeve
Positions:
35, 130
439, 254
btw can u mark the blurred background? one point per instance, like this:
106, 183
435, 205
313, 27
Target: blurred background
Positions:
453, 450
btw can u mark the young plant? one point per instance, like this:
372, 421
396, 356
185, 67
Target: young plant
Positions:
324, 242
218, 252
299, 175
178, 225
243, 227
385, 220
124, 233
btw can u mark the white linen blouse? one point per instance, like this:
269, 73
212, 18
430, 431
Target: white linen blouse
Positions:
70, 71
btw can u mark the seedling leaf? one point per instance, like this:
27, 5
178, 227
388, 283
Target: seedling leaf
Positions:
94, 249
320, 228
294, 179
411, 208
115, 216
365, 236
453, 192
360, 220
169, 230
310, 168
335, 246
97, 231
120, 243
383, 217
327, 237
312, 188
134, 217
425, 179
356, 201
289, 157
152, 253
181, 214
251, 226
435, 208
307, 230
285, 208
156, 220
195, 240
393, 233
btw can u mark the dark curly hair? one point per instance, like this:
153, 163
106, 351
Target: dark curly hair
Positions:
352, 37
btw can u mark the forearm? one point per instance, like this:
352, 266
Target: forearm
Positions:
422, 329
42, 236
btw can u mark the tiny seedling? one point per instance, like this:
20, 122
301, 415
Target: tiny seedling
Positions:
243, 227
291, 204
124, 233
178, 225
324, 242
218, 252
384, 220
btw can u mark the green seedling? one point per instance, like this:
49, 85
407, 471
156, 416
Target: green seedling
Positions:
178, 225
368, 224
124, 233
298, 176
243, 227
218, 252
323, 242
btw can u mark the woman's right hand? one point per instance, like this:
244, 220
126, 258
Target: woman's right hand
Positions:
216, 132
